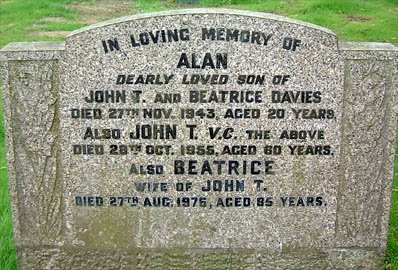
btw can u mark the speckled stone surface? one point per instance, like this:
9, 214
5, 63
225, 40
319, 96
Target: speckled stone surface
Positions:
30, 75
315, 66
369, 131
349, 178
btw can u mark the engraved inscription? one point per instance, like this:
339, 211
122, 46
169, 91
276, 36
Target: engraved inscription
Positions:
211, 123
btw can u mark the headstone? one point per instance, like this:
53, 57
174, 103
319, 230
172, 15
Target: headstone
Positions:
200, 139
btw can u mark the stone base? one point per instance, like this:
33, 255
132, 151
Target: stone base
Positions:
78, 258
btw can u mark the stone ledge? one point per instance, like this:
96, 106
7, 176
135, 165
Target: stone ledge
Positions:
35, 51
33, 46
366, 46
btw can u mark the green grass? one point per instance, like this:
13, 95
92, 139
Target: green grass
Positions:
353, 20
7, 251
392, 243
150, 6
19, 18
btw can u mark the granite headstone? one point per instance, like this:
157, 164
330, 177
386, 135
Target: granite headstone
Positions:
200, 139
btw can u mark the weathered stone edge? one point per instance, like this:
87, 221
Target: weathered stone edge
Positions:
4, 84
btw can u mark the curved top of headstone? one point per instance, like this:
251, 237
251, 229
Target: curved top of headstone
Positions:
261, 15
